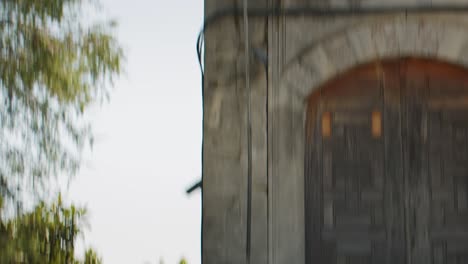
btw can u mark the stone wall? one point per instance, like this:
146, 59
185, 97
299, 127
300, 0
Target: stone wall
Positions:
303, 53
225, 141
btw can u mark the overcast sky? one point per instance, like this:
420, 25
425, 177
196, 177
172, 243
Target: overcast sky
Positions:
148, 140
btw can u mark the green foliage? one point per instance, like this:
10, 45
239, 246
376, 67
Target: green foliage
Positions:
45, 235
52, 68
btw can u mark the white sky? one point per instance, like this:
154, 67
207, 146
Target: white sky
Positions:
148, 140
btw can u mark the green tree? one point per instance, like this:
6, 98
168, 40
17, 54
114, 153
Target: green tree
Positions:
45, 235
53, 66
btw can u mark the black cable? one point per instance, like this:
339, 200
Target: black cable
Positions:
199, 54
194, 187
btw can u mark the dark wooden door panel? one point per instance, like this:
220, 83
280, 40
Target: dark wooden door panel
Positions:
387, 166
414, 138
448, 159
437, 118
354, 221
353, 196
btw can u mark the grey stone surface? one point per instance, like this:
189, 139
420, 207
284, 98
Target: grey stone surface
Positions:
373, 40
340, 53
303, 53
299, 79
259, 236
224, 232
370, 3
287, 181
452, 42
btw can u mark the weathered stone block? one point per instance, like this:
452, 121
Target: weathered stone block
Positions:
317, 62
340, 53
299, 79
362, 43
385, 39
452, 41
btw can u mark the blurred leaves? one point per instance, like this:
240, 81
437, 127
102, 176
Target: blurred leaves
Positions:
54, 65
52, 68
47, 234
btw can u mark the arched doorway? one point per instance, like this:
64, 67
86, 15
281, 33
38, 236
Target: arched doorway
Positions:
386, 177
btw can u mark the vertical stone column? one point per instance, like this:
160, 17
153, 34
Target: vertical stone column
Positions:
225, 128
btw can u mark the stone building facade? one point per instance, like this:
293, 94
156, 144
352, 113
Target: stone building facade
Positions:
285, 213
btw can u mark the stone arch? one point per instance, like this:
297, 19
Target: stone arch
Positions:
424, 37
437, 37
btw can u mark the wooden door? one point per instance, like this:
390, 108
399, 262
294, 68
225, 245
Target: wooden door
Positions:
387, 166
354, 181
436, 103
